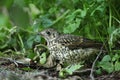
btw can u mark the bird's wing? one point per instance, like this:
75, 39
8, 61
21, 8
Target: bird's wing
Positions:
76, 42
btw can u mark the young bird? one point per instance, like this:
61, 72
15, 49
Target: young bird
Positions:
69, 48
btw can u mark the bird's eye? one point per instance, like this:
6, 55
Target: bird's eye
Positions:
48, 32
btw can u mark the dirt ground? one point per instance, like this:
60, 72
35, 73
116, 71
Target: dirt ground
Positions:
12, 70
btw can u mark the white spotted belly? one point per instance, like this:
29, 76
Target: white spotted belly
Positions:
64, 54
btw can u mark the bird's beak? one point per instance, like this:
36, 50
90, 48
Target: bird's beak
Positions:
39, 33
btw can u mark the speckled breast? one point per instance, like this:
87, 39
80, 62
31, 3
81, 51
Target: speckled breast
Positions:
64, 54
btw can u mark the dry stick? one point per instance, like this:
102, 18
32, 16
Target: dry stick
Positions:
82, 71
93, 65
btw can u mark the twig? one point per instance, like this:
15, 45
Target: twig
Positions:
93, 65
83, 71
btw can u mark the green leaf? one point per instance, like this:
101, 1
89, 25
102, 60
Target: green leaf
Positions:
19, 16
31, 55
117, 66
43, 58
26, 69
73, 20
3, 20
62, 73
69, 70
106, 58
98, 71
72, 26
7, 3
107, 66
115, 57
34, 10
72, 68
42, 22
30, 41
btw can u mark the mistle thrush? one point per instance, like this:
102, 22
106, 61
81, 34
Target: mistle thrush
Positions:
69, 48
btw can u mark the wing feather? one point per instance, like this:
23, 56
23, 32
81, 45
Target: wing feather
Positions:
76, 42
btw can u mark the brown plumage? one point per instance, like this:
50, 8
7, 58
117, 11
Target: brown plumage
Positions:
69, 48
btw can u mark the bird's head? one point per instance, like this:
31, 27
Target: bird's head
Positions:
49, 34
